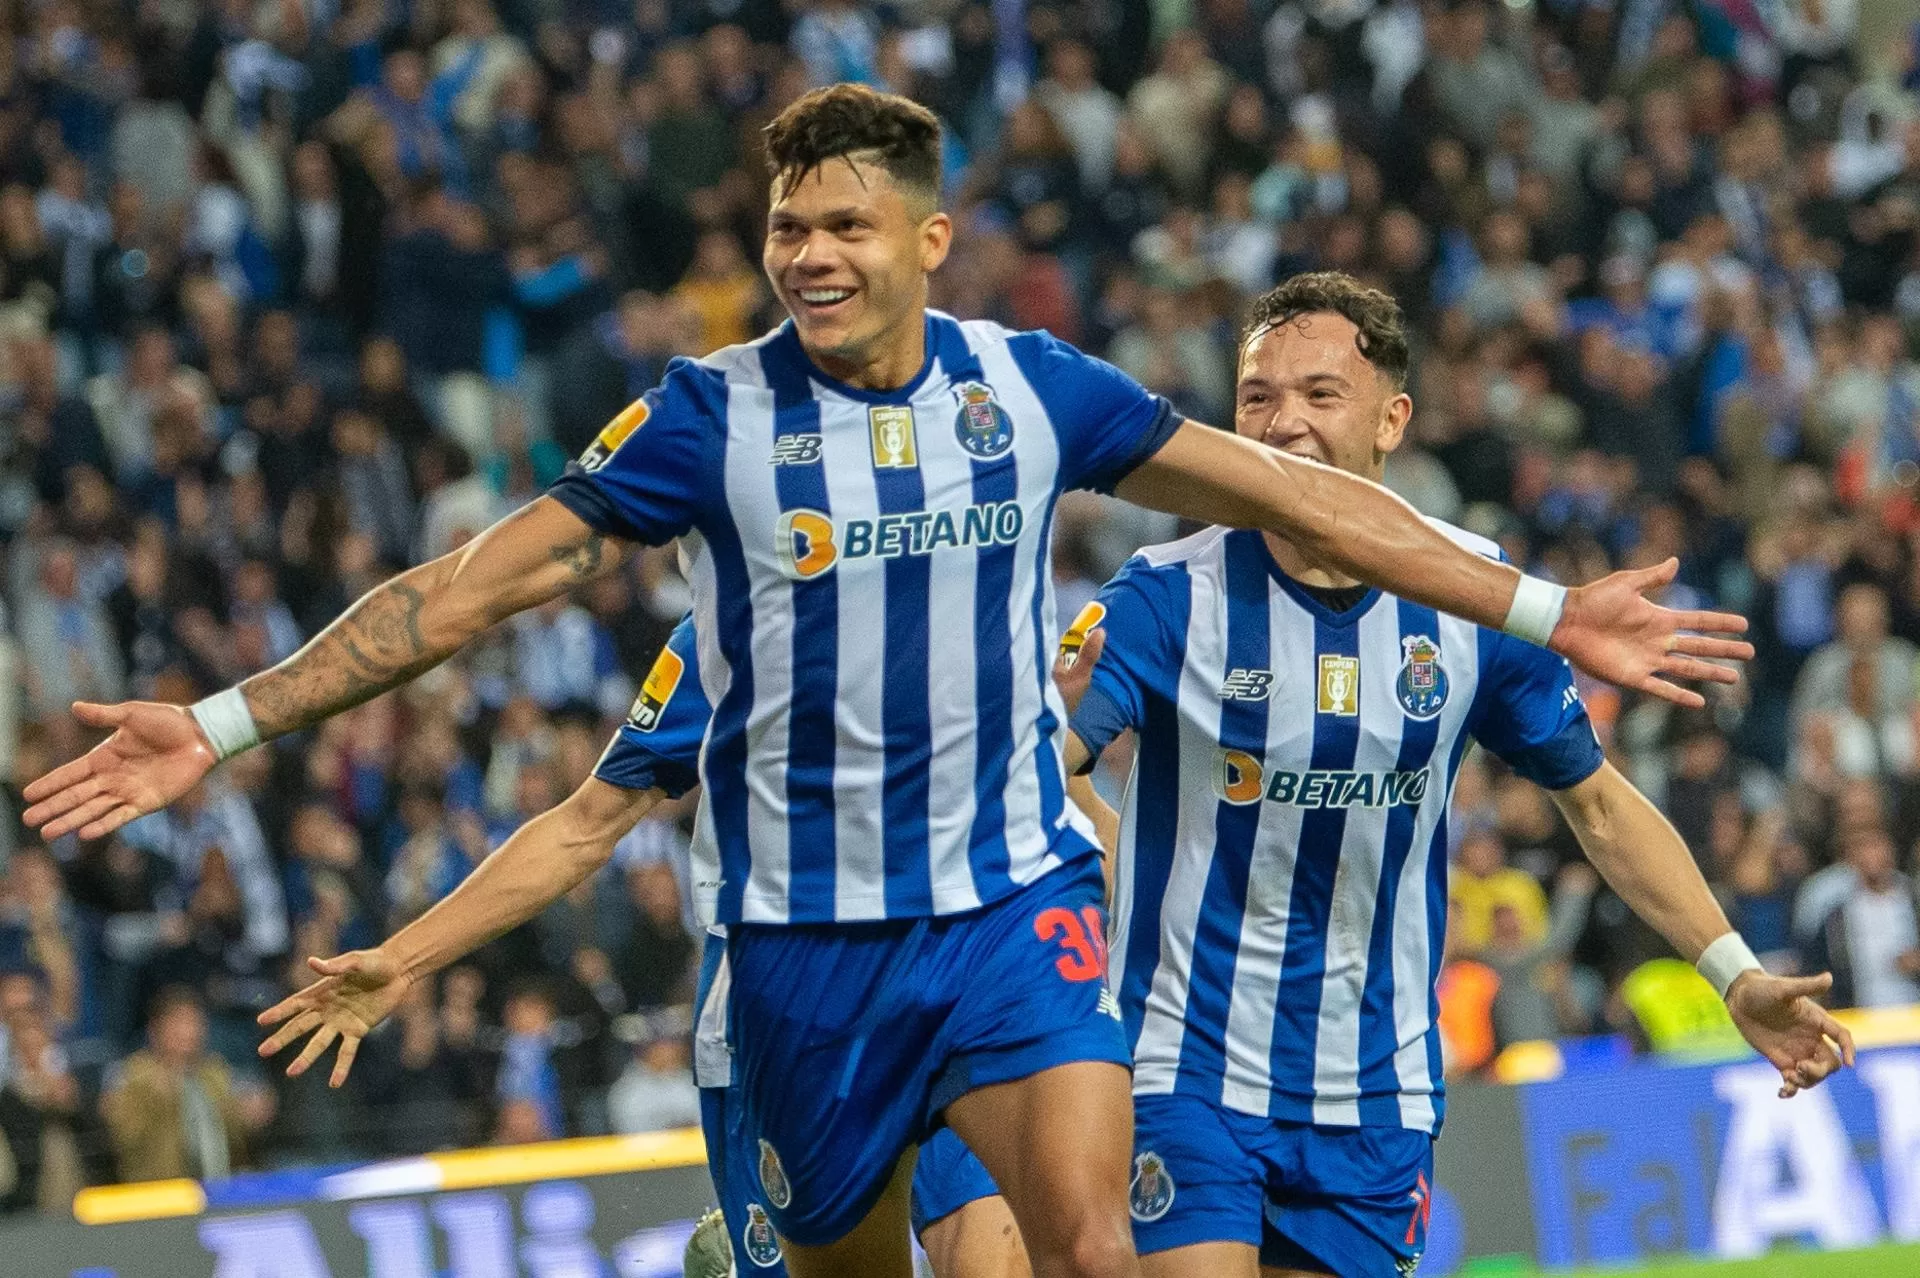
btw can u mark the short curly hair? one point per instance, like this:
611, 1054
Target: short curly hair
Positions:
1382, 335
854, 121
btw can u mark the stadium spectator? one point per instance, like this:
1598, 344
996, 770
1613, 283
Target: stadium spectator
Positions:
175, 1109
1871, 939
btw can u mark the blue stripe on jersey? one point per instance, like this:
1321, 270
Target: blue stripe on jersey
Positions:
1379, 1083
811, 731
1243, 727
904, 716
723, 765
1336, 739
1437, 863
1156, 781
1046, 756
993, 481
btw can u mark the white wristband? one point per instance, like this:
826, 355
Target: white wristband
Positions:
1535, 611
228, 723
1726, 959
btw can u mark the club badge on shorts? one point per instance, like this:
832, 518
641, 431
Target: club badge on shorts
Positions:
982, 426
1150, 1196
758, 1239
1422, 686
773, 1177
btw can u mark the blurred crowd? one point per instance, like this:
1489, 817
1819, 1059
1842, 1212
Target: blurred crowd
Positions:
294, 293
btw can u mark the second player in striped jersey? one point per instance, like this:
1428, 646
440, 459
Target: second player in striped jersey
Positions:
1282, 862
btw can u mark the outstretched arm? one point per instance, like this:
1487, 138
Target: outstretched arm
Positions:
1607, 629
1644, 859
396, 632
404, 628
542, 861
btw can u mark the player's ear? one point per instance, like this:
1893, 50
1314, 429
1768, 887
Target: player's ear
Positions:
1393, 423
936, 237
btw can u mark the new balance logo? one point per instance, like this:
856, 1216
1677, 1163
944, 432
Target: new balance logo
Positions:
1109, 1005
1243, 684
795, 450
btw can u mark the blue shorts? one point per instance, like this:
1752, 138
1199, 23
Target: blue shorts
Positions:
1352, 1201
947, 1178
849, 1040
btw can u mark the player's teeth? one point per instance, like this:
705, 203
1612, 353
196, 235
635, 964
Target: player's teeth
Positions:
829, 296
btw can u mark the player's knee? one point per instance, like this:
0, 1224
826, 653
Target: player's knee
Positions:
1101, 1248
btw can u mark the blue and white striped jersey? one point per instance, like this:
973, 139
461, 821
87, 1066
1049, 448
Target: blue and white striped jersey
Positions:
874, 607
1281, 890
658, 747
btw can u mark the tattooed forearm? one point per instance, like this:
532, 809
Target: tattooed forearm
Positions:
376, 645
583, 557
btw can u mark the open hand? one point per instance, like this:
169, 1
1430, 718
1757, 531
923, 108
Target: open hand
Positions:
1778, 1016
1612, 631
156, 754
355, 992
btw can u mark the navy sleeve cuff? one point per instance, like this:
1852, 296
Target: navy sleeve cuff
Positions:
1097, 722
647, 772
1151, 441
1563, 761
577, 491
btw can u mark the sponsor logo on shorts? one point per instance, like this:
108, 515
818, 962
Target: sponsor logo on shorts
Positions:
1150, 1196
757, 1239
773, 1177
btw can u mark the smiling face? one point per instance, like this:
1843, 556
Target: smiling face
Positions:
848, 252
1306, 389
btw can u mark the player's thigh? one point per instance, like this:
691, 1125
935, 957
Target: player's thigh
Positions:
1281, 1271
1056, 1142
1204, 1260
877, 1247
979, 1240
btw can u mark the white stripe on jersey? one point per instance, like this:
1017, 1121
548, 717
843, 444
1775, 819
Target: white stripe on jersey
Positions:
1263, 931
750, 487
1415, 966
1038, 472
952, 801
859, 761
1157, 1051
1356, 883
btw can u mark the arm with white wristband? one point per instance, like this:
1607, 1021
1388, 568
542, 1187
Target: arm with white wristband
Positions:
1644, 859
1361, 530
395, 632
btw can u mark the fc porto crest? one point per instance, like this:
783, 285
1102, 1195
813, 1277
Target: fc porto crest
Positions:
982, 426
757, 1239
1422, 687
773, 1177
1150, 1196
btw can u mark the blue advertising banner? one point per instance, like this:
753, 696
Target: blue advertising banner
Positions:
1653, 1160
